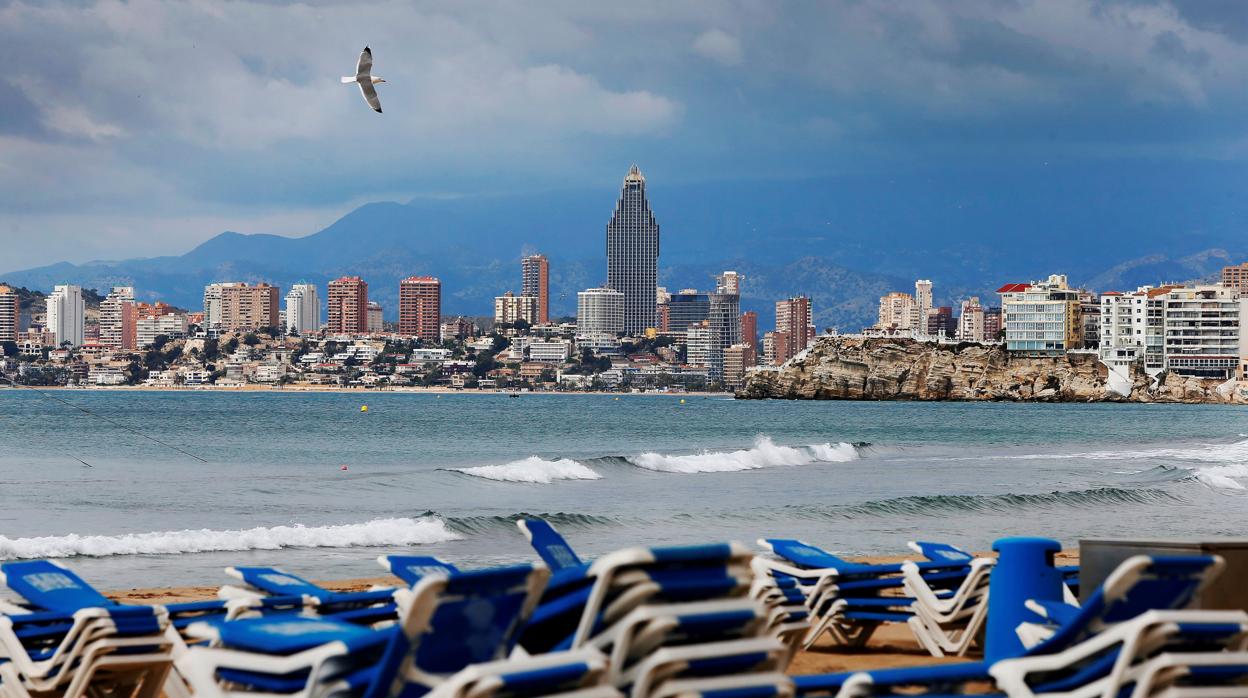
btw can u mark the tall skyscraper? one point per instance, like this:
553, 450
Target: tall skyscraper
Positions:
509, 307
303, 310
348, 306
535, 282
66, 311
376, 325
420, 308
793, 319
118, 318
922, 300
10, 316
633, 254
728, 282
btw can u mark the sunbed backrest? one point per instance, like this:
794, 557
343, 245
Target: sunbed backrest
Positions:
279, 582
475, 617
51, 587
412, 568
550, 546
941, 551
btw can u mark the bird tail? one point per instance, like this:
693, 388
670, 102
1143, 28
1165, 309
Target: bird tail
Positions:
346, 80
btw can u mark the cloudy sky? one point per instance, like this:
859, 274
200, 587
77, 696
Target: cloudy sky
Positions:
140, 128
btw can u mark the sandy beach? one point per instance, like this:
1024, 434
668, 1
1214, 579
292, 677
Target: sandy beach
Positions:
891, 646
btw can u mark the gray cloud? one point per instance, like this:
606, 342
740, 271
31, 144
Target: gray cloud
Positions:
123, 112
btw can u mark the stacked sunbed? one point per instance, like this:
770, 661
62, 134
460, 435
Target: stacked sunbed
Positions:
711, 620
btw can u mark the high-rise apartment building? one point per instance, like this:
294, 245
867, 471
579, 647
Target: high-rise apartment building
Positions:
793, 319
776, 348
1202, 331
993, 323
1236, 277
728, 282
66, 315
303, 310
10, 314
724, 318
971, 321
420, 308
235, 306
749, 329
737, 359
509, 307
376, 322
699, 338
1041, 318
535, 283
599, 312
633, 254
458, 328
348, 306
118, 318
896, 312
922, 302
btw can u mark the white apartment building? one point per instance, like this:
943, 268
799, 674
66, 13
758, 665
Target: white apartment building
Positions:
971, 321
66, 312
1202, 331
1041, 318
303, 310
698, 339
508, 308
922, 304
171, 325
1132, 328
429, 355
553, 351
599, 311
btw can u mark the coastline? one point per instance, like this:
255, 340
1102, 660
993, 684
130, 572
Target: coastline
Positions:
262, 388
892, 646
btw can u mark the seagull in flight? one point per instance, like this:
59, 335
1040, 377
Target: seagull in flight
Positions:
365, 78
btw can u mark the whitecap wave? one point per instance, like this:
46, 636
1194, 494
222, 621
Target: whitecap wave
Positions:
1224, 477
375, 533
533, 470
764, 454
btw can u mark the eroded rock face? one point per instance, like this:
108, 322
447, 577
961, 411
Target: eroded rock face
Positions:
882, 368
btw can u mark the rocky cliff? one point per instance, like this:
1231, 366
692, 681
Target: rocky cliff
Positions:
884, 368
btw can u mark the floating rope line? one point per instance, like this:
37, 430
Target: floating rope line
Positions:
114, 422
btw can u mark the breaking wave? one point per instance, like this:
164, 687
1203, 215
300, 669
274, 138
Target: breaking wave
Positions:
764, 454
376, 533
533, 470
936, 505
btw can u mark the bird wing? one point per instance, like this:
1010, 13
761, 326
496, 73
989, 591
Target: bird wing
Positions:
365, 67
370, 95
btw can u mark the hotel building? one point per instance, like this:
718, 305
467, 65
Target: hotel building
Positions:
235, 306
118, 318
1202, 331
793, 319
633, 254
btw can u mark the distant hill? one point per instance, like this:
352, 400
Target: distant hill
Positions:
843, 240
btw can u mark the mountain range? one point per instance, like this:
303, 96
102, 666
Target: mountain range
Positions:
844, 240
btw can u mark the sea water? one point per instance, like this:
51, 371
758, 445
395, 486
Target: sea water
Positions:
448, 475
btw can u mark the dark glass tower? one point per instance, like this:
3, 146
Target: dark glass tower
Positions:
633, 254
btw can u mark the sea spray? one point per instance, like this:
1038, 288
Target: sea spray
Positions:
375, 533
